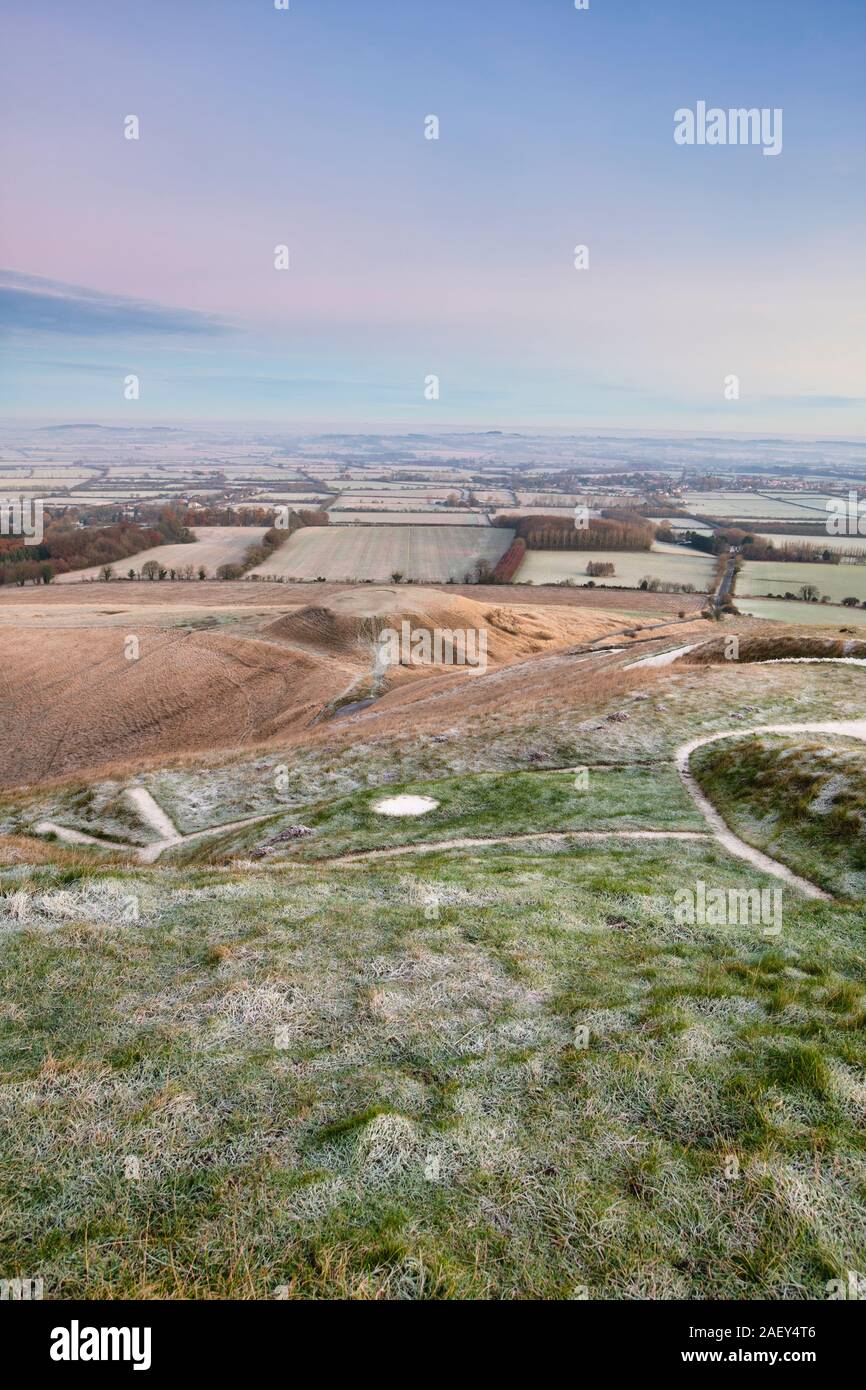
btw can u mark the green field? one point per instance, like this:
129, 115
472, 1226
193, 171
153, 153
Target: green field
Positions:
625, 798
504, 1072
759, 578
794, 611
632, 567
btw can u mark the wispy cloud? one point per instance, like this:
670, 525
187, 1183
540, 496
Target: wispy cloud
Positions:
810, 401
31, 304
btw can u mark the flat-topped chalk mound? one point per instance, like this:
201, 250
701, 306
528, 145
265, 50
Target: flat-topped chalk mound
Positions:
405, 806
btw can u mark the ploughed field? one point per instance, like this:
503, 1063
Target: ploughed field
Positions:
213, 546
423, 553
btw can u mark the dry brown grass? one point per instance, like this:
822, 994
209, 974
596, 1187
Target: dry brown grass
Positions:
73, 700
247, 594
21, 849
776, 647
76, 703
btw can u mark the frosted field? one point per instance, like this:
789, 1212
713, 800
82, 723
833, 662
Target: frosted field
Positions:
213, 546
817, 614
822, 541
371, 516
319, 499
390, 502
552, 566
535, 511
29, 480
534, 500
416, 490
759, 577
682, 523
773, 507
431, 554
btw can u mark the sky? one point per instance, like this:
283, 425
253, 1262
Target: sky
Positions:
412, 258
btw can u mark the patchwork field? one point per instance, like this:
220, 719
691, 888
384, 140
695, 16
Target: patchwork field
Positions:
794, 611
761, 577
213, 546
801, 506
821, 541
378, 517
421, 553
631, 567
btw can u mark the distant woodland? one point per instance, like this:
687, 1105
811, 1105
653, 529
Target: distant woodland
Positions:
67, 546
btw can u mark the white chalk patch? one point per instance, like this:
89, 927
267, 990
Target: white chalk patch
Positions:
405, 806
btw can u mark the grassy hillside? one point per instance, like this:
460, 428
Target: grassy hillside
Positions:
514, 803
803, 802
378, 1084
505, 1071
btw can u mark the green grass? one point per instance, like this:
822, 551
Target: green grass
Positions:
802, 801
685, 701
474, 805
505, 1072
430, 1124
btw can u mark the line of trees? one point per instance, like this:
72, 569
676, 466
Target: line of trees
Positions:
793, 549
561, 533
256, 554
255, 516
509, 563
65, 546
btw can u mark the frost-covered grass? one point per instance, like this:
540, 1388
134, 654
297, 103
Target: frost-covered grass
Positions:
760, 577
373, 1082
631, 568
512, 803
803, 802
674, 705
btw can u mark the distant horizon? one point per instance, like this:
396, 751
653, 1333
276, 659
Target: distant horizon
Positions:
374, 428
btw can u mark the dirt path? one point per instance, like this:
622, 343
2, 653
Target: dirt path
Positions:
154, 816
849, 728
477, 842
152, 813
76, 837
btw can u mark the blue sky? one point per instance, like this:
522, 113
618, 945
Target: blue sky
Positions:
452, 257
